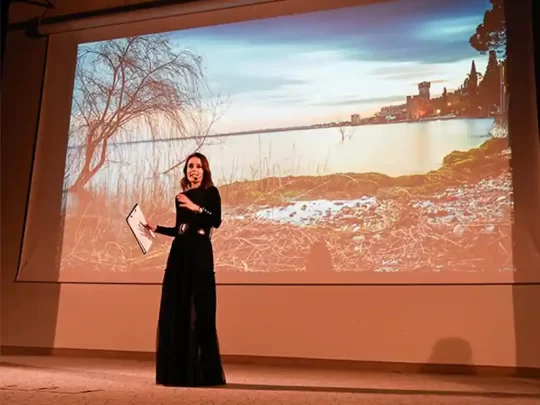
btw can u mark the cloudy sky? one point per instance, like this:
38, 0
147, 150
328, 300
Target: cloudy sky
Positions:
324, 66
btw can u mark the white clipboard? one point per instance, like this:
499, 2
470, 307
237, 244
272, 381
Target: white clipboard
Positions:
144, 237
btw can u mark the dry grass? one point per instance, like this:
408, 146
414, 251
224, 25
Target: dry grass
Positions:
458, 168
251, 246
415, 223
388, 236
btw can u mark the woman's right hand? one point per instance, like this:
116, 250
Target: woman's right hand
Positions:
149, 227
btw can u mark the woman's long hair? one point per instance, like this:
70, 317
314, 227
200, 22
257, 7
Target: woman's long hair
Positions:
207, 174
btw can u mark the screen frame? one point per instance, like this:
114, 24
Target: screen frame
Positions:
58, 88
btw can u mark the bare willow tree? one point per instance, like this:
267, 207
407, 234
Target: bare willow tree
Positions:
122, 82
202, 125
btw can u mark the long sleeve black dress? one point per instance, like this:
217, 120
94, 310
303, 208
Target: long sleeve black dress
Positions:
187, 352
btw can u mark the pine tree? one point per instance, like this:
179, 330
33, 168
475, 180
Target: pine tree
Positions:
490, 85
472, 83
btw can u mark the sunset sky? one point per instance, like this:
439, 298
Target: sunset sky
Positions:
325, 66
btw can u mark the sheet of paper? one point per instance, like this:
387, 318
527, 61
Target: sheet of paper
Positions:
135, 221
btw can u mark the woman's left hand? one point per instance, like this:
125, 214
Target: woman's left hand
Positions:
185, 202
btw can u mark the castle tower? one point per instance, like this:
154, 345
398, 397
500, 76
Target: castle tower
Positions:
423, 90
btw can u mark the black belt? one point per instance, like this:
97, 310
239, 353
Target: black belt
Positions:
183, 229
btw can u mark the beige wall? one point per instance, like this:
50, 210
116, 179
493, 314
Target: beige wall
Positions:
481, 325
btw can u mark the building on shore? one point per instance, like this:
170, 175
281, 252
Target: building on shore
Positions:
420, 105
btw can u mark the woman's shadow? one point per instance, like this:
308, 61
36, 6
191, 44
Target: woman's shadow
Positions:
319, 259
450, 356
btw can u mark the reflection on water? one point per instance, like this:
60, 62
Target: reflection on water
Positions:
393, 149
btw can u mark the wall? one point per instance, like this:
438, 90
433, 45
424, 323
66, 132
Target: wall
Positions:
475, 325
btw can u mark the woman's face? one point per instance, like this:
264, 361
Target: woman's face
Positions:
195, 171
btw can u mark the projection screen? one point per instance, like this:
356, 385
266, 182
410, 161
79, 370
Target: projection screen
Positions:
353, 143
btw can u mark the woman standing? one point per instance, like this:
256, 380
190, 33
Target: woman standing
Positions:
187, 352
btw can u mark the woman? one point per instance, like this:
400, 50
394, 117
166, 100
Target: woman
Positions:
187, 351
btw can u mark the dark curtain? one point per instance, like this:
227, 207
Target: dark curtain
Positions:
536, 39
5, 9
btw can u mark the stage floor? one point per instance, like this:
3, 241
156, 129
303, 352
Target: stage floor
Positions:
65, 380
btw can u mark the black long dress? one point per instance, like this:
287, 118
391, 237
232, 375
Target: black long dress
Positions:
187, 352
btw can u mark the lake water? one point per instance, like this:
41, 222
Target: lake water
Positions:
392, 149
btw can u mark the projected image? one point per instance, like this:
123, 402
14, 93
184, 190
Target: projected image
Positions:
349, 142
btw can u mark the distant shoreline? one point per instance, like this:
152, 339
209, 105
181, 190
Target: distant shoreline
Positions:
340, 125
297, 128
334, 125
